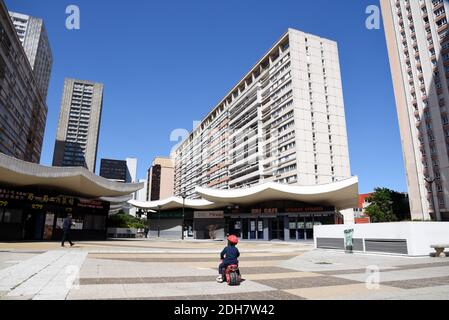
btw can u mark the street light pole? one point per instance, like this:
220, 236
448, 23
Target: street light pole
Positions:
183, 214
159, 222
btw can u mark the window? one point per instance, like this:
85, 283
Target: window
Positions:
12, 216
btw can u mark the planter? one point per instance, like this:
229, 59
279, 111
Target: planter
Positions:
122, 233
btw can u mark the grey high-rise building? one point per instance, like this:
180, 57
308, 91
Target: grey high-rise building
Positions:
33, 35
23, 111
417, 34
79, 125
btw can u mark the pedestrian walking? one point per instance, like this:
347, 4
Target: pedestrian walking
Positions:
66, 226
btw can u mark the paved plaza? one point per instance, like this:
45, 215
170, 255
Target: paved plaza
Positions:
150, 269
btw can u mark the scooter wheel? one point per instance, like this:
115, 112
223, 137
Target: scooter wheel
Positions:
234, 279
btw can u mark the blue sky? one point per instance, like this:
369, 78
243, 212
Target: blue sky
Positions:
165, 64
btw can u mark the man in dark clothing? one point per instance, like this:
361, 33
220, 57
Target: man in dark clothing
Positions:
66, 226
229, 256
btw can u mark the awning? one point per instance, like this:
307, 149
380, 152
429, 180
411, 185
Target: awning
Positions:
174, 203
70, 180
341, 195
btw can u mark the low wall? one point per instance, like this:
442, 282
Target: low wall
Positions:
404, 238
122, 233
169, 228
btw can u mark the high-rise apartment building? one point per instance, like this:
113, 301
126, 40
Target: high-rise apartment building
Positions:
23, 111
284, 121
418, 46
115, 170
79, 125
33, 36
160, 179
119, 170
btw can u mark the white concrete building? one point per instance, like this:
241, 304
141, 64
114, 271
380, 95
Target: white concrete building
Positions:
418, 46
142, 193
284, 122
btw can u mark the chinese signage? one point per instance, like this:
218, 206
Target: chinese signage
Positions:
39, 201
6, 194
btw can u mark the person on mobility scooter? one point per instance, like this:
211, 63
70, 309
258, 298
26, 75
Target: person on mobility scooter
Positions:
228, 269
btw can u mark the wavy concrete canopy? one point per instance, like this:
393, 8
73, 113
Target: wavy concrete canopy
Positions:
74, 180
174, 203
342, 194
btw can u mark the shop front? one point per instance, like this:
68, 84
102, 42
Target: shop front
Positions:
278, 223
37, 215
269, 211
35, 199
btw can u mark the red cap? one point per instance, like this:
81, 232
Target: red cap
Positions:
233, 239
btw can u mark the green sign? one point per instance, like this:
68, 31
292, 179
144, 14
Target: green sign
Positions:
348, 240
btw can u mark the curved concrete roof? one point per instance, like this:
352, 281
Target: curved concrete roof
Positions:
173, 203
74, 180
342, 194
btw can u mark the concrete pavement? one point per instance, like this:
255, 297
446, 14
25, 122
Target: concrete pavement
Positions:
145, 269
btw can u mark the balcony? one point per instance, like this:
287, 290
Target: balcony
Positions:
442, 28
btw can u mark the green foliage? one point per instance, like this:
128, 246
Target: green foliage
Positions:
388, 206
122, 220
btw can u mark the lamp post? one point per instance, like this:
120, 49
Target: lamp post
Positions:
430, 181
183, 213
159, 222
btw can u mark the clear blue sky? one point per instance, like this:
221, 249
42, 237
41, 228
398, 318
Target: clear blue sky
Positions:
165, 64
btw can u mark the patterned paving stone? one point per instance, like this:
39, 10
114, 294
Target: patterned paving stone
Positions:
264, 296
418, 283
186, 259
257, 270
100, 281
305, 282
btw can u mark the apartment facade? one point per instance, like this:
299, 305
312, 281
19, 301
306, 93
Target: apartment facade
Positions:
79, 125
33, 36
160, 179
418, 46
283, 122
23, 111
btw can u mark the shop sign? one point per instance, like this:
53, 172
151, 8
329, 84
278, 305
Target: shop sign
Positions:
309, 209
208, 214
265, 210
38, 201
92, 204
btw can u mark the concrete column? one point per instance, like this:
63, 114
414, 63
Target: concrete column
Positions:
266, 235
286, 228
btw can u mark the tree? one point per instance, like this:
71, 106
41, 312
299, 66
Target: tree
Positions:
382, 204
122, 220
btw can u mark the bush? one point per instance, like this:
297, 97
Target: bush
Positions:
122, 220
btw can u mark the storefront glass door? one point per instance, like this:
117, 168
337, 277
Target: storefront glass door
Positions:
277, 228
252, 229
